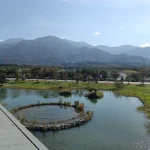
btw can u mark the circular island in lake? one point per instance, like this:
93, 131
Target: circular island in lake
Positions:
52, 116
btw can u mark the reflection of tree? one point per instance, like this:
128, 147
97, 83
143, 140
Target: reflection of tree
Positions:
78, 93
117, 95
46, 94
54, 94
15, 93
43, 93
147, 126
93, 100
3, 94
27, 91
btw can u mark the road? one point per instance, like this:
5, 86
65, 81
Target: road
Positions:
52, 80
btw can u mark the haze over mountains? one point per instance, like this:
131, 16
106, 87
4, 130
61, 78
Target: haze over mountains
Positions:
51, 50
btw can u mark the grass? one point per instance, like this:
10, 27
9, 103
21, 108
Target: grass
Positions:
56, 85
129, 71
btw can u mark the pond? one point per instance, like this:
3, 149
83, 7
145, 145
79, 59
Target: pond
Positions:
116, 123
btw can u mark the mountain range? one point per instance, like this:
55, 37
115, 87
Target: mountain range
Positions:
51, 50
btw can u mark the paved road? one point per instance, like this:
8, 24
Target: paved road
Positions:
14, 136
80, 81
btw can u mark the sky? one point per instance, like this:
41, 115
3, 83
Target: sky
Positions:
97, 22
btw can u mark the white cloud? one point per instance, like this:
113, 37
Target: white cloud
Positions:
96, 33
145, 45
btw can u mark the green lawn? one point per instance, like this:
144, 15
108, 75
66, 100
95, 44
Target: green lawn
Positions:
56, 85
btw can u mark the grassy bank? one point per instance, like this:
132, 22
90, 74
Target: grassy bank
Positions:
143, 93
56, 85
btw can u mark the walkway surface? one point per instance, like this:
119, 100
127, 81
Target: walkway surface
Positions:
14, 136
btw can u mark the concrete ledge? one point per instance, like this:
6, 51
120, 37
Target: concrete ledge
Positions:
25, 134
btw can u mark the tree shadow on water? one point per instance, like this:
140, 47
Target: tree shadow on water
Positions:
93, 100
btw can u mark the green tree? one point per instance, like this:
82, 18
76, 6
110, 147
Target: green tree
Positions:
2, 79
143, 73
134, 77
114, 75
18, 75
104, 75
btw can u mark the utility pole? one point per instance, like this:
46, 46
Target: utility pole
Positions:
97, 69
97, 60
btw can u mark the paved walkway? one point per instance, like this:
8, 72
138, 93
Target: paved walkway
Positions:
14, 136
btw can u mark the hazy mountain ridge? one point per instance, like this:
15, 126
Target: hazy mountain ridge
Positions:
51, 50
117, 49
139, 51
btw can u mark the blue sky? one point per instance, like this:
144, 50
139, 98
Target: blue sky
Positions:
97, 22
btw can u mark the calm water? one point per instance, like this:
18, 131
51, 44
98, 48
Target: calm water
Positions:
47, 113
116, 124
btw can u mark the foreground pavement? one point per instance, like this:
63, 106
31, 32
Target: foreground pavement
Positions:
14, 136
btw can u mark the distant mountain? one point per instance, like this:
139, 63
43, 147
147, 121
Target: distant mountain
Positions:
78, 44
51, 50
11, 41
139, 51
117, 49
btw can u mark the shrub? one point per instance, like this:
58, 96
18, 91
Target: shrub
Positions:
88, 115
80, 107
65, 92
76, 103
94, 94
92, 89
118, 85
60, 87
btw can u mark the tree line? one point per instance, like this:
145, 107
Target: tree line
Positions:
57, 73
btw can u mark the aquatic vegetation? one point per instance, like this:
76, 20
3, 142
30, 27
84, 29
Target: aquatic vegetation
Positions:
80, 107
22, 119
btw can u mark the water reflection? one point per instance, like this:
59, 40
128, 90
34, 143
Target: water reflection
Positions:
3, 94
94, 100
78, 92
15, 93
117, 95
43, 93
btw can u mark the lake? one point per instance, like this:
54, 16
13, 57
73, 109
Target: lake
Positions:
116, 123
